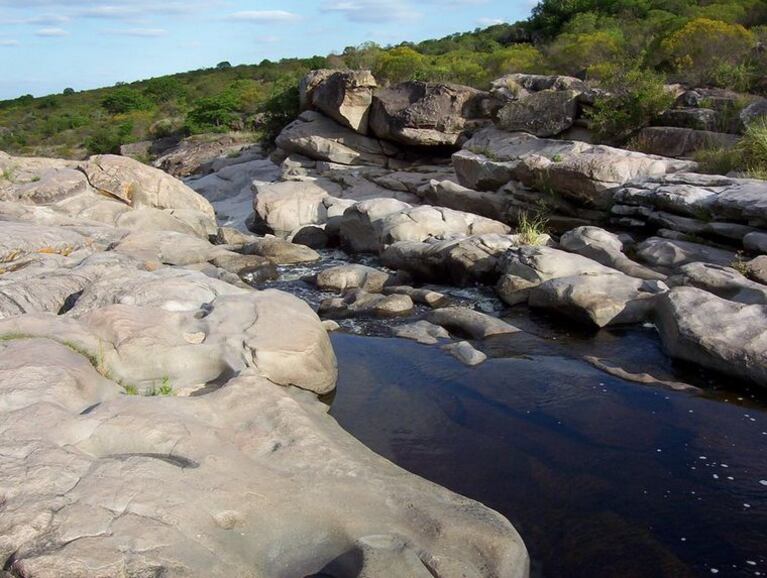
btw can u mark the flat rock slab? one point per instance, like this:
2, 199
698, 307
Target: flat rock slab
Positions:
466, 321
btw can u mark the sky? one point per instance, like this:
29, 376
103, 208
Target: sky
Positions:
49, 45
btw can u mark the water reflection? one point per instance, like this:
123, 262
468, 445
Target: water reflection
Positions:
602, 477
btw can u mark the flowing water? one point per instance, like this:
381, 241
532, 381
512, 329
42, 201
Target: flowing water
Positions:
604, 478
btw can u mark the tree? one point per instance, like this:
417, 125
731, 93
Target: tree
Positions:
164, 89
122, 100
399, 64
68, 91
213, 113
223, 65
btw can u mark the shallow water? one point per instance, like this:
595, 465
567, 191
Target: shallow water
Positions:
602, 477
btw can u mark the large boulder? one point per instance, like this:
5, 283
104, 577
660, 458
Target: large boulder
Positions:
524, 268
682, 142
316, 136
726, 336
599, 299
198, 154
724, 282
425, 114
343, 277
284, 207
544, 114
670, 253
605, 248
345, 96
520, 85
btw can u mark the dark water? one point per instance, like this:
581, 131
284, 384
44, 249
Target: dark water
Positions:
602, 477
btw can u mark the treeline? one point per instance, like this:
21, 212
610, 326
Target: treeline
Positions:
721, 44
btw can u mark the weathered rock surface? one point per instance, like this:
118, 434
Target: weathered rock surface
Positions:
202, 154
359, 302
722, 335
519, 85
464, 321
318, 137
422, 332
424, 114
724, 282
544, 114
345, 96
284, 207
465, 352
524, 268
682, 142
344, 277
599, 299
670, 254
605, 248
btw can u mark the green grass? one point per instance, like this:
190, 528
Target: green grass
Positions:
531, 228
165, 389
749, 156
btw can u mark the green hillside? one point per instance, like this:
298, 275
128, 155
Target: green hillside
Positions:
702, 43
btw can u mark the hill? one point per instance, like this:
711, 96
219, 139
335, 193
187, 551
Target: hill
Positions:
719, 44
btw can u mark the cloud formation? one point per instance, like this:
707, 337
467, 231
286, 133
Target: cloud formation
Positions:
50, 32
264, 16
374, 10
8, 42
139, 32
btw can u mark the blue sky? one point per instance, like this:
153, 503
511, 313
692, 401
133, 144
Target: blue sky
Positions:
48, 45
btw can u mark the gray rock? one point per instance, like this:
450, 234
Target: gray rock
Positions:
756, 242
524, 268
453, 196
544, 114
753, 112
463, 321
704, 119
723, 282
599, 299
433, 299
358, 302
519, 85
465, 352
682, 142
344, 277
284, 207
318, 137
424, 114
279, 251
671, 254
346, 96
757, 269
605, 248
312, 237
715, 333
422, 332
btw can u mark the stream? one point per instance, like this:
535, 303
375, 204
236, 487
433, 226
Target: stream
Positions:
603, 477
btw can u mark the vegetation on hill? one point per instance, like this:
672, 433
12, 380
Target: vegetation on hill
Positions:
642, 42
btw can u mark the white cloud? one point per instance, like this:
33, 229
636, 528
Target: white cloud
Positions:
264, 16
51, 32
8, 42
267, 39
139, 32
490, 21
41, 19
374, 10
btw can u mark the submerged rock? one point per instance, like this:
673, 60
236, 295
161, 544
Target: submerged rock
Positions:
465, 352
422, 332
464, 321
345, 277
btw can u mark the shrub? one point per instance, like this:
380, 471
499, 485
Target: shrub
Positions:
572, 53
223, 65
213, 114
519, 58
702, 45
749, 156
400, 64
108, 139
280, 109
68, 91
633, 99
124, 100
164, 89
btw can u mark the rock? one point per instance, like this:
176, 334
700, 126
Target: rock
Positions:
465, 321
682, 142
715, 333
517, 86
526, 267
599, 299
605, 248
464, 352
284, 207
330, 326
196, 154
422, 332
318, 137
699, 119
671, 254
460, 261
311, 236
279, 251
359, 302
137, 150
756, 242
418, 113
757, 269
433, 299
745, 200
252, 268
453, 196
723, 282
544, 114
477, 171
358, 228
344, 277
346, 96
138, 185
753, 112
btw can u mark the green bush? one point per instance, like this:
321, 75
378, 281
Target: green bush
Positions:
633, 99
280, 109
749, 156
108, 139
213, 114
124, 100
164, 89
